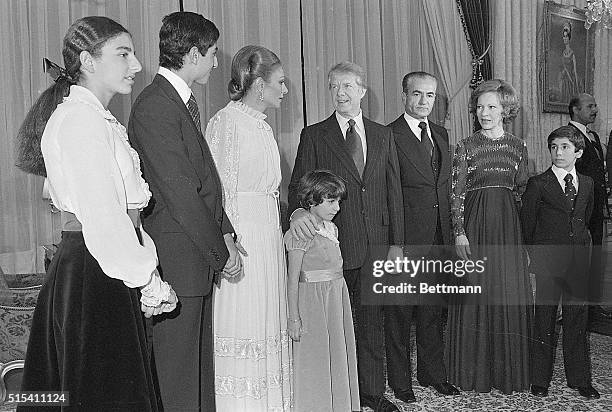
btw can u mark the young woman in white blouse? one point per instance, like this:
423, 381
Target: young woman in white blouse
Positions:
87, 335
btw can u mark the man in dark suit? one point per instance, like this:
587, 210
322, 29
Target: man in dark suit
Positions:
193, 235
583, 111
425, 169
361, 152
557, 205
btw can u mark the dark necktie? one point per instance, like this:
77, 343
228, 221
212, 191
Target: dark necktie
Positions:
355, 149
425, 142
192, 106
593, 142
570, 190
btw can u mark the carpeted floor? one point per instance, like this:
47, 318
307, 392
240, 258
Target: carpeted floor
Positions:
560, 398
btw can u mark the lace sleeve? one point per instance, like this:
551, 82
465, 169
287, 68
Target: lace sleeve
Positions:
459, 188
520, 182
221, 135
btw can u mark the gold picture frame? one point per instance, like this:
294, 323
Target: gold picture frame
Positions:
568, 56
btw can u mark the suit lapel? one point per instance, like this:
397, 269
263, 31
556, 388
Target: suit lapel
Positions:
374, 148
444, 152
553, 187
164, 85
581, 195
173, 95
335, 140
590, 146
407, 143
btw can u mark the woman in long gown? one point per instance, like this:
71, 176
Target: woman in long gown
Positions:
252, 364
568, 78
488, 334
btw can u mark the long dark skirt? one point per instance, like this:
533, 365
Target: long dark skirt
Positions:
88, 337
488, 335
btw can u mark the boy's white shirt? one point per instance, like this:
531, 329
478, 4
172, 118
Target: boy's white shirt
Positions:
561, 173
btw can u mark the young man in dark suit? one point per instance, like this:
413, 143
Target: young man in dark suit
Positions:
361, 152
557, 206
193, 235
425, 170
583, 112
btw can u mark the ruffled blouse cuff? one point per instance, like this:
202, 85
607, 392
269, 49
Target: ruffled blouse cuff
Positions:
156, 292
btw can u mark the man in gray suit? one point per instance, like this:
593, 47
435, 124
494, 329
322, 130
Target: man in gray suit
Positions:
361, 152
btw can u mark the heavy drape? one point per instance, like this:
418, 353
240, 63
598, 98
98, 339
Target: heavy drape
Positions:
388, 37
476, 18
29, 31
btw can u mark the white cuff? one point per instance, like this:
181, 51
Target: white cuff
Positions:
156, 292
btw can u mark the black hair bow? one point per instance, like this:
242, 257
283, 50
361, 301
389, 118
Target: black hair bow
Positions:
56, 72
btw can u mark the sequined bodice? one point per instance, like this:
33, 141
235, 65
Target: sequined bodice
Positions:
481, 162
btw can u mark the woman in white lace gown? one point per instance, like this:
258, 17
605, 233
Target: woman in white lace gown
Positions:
252, 353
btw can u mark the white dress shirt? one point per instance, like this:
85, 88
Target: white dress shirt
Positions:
359, 128
414, 126
179, 84
583, 129
560, 175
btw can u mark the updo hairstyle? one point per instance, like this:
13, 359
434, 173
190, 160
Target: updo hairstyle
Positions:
248, 64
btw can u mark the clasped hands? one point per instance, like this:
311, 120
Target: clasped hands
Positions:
157, 297
233, 266
164, 306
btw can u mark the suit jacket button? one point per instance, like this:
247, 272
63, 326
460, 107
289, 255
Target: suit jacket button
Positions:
435, 206
363, 189
571, 234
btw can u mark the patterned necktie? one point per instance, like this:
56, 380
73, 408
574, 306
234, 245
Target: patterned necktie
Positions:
425, 142
570, 190
192, 106
355, 149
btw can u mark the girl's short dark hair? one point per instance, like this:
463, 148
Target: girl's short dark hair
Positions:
318, 185
86, 34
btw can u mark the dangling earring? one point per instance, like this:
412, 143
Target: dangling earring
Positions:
261, 96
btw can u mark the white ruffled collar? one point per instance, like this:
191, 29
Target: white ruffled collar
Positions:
328, 231
84, 95
248, 110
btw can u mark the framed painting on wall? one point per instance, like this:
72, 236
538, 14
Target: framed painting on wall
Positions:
568, 56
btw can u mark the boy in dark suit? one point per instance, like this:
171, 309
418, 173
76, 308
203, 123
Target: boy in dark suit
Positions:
557, 206
185, 217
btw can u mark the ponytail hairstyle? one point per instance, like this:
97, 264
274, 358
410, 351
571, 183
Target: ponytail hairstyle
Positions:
248, 64
86, 34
